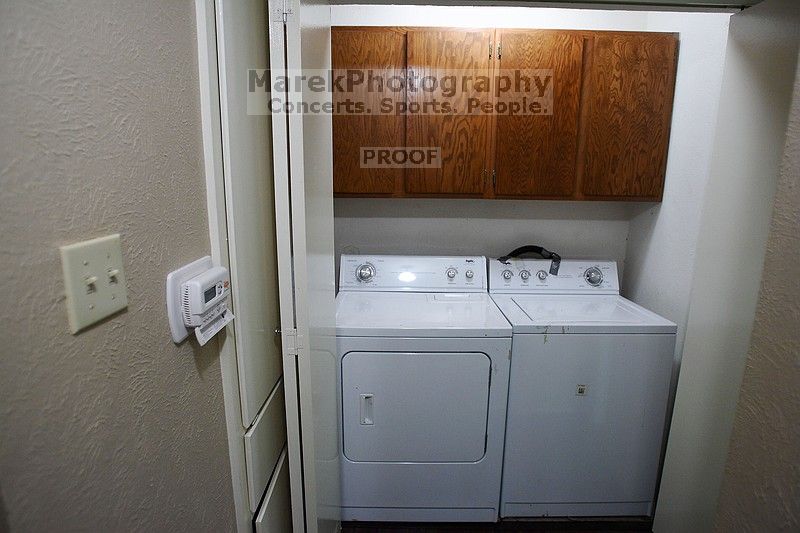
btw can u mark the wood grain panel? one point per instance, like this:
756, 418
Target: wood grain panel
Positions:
383, 51
630, 111
535, 154
463, 138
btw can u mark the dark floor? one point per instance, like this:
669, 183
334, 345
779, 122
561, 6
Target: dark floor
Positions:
551, 526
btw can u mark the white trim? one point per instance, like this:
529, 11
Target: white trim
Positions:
283, 239
312, 254
218, 234
302, 385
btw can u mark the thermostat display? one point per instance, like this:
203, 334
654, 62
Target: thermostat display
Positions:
210, 293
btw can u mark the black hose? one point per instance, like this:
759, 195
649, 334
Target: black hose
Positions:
555, 259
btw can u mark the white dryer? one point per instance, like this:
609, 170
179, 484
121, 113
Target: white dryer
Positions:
423, 356
590, 374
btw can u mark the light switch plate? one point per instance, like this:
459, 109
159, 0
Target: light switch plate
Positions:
94, 280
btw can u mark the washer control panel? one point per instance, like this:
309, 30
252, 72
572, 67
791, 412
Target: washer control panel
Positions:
420, 273
575, 276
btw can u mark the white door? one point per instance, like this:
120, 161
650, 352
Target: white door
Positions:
246, 137
303, 168
279, 238
242, 44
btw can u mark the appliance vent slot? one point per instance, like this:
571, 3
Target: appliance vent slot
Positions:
187, 317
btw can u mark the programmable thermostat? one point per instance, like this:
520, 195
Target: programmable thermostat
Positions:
197, 297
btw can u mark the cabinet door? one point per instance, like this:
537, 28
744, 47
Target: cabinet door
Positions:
382, 53
536, 153
629, 112
462, 137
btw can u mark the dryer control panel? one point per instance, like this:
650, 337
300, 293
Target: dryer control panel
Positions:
575, 276
413, 273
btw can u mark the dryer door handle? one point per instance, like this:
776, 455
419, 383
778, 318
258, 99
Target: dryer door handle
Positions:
365, 409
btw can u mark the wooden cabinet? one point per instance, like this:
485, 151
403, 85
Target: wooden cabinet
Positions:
462, 138
605, 135
536, 154
628, 114
359, 50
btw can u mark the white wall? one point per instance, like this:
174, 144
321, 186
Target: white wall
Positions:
482, 227
662, 240
753, 113
487, 17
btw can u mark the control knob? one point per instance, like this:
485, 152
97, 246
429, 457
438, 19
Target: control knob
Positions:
470, 274
451, 273
542, 275
593, 276
507, 274
524, 274
365, 273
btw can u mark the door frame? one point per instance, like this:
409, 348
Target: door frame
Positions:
298, 335
211, 124
291, 341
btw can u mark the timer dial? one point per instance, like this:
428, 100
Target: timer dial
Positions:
365, 272
593, 276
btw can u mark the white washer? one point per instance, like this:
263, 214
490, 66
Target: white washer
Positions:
590, 374
423, 356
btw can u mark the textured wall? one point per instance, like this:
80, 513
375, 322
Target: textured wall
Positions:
761, 488
115, 428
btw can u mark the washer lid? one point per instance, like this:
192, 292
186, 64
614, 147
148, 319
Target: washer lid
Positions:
395, 314
542, 313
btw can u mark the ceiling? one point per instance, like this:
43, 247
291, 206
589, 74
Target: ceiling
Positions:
663, 3
709, 5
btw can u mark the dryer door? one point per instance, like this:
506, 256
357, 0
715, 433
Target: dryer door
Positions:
415, 407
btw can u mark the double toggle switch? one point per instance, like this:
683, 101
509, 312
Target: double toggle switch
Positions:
94, 280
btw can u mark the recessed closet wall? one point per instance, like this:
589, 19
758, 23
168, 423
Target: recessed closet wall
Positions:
652, 240
695, 257
482, 227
